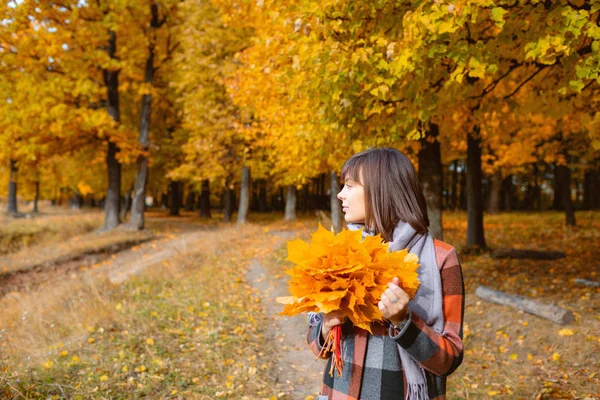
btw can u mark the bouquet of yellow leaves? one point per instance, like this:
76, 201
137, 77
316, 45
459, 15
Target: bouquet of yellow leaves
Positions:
345, 273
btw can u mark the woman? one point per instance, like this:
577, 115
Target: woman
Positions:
420, 343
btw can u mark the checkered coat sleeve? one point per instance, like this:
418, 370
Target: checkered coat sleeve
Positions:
439, 353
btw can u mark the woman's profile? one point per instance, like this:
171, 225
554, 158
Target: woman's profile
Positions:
420, 343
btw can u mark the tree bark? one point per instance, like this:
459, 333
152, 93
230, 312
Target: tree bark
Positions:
141, 177
244, 196
76, 201
454, 195
532, 306
591, 189
281, 200
495, 189
537, 192
557, 200
507, 193
204, 202
112, 202
36, 198
475, 233
337, 219
13, 207
164, 200
290, 203
175, 198
587, 282
190, 202
262, 196
431, 175
462, 198
126, 205
306, 198
527, 254
228, 202
113, 195
563, 176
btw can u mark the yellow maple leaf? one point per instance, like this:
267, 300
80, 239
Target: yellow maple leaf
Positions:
346, 273
566, 332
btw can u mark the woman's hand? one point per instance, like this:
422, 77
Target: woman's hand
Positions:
330, 320
393, 303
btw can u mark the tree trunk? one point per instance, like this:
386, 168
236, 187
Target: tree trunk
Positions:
322, 196
190, 202
228, 202
591, 189
204, 201
306, 198
76, 201
537, 192
532, 306
454, 195
578, 194
337, 219
112, 202
290, 203
495, 189
262, 196
475, 233
431, 175
563, 177
175, 198
557, 200
244, 196
507, 193
527, 254
113, 194
126, 205
36, 198
12, 189
462, 198
141, 177
137, 220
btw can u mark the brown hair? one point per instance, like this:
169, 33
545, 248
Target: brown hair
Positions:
392, 190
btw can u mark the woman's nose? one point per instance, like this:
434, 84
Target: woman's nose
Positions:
339, 195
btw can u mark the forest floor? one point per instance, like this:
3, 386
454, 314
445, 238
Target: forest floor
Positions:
186, 310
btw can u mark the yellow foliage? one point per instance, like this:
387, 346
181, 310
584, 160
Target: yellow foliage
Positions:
341, 272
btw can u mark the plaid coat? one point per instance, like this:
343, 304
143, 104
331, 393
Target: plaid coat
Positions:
372, 368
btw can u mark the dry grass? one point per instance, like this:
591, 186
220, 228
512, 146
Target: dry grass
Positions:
190, 328
41, 257
19, 233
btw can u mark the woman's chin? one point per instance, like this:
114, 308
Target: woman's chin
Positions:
351, 220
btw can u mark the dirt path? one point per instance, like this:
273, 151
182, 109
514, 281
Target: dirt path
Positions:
297, 372
137, 260
119, 262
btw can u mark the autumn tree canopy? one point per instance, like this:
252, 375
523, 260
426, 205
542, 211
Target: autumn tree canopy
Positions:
202, 98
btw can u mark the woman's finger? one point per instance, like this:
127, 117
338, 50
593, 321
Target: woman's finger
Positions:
397, 291
384, 310
392, 296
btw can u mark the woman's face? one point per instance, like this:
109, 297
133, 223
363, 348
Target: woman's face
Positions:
352, 196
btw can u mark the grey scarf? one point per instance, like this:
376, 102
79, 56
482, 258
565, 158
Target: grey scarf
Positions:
427, 303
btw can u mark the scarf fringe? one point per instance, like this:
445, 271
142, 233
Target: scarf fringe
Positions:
417, 391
